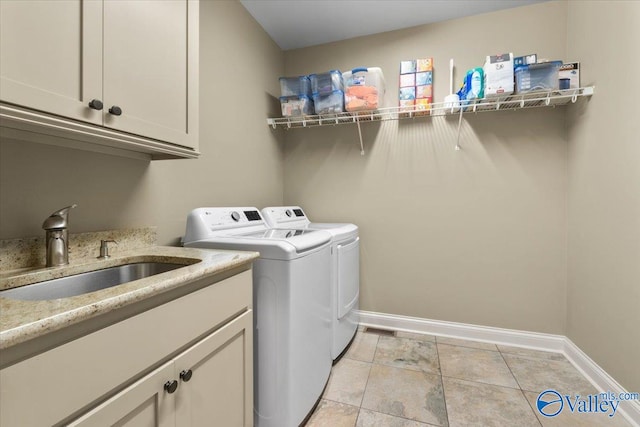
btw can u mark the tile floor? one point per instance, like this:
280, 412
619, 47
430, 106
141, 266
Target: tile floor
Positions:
413, 380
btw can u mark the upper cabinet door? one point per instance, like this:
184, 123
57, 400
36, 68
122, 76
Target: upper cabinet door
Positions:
51, 56
151, 68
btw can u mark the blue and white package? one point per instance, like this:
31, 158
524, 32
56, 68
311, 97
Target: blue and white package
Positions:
473, 86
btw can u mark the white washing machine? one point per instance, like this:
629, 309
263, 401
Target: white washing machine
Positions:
345, 269
291, 308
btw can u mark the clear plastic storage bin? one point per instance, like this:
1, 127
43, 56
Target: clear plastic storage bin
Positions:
296, 105
295, 86
328, 104
533, 77
363, 89
326, 83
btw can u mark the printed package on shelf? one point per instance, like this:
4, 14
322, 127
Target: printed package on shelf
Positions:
498, 75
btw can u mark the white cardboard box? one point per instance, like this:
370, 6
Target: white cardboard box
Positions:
498, 75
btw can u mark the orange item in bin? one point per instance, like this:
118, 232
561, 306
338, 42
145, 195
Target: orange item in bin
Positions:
361, 98
364, 89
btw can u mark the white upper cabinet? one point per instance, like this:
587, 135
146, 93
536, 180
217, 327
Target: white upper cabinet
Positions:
147, 69
51, 56
128, 66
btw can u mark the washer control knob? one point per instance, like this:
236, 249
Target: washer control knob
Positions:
235, 216
288, 212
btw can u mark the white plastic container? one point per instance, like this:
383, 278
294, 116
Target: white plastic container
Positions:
363, 89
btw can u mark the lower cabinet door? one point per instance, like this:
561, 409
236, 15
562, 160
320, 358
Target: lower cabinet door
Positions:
216, 378
145, 403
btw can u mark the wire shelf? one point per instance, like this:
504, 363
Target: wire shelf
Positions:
511, 102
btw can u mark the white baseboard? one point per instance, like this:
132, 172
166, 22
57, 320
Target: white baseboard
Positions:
533, 340
601, 379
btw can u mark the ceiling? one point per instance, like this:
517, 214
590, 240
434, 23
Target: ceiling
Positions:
295, 24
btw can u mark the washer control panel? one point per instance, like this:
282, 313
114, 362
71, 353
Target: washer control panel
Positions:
283, 214
220, 218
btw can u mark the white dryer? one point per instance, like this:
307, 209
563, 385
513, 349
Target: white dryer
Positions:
345, 269
291, 304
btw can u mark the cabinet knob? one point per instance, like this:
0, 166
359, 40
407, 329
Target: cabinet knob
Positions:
115, 110
96, 104
171, 386
186, 375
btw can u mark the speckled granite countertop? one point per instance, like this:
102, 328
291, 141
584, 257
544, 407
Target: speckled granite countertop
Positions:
21, 321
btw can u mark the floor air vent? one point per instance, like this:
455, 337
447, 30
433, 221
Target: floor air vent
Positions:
377, 331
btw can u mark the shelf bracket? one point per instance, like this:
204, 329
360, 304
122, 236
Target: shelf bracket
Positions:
459, 126
360, 135
574, 98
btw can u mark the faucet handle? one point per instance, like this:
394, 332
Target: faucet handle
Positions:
58, 220
104, 248
64, 211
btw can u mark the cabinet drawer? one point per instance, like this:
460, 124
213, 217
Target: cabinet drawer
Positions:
68, 378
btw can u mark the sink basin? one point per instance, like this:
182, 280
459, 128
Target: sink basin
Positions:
91, 281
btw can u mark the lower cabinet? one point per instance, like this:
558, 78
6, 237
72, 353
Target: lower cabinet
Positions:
186, 362
208, 384
145, 403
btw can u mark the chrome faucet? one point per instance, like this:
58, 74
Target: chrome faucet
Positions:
57, 237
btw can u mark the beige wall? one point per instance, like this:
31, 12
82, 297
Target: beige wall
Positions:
604, 189
241, 162
475, 236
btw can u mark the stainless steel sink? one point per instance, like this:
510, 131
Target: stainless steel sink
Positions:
91, 281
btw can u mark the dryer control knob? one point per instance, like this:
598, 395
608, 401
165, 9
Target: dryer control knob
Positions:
288, 212
235, 216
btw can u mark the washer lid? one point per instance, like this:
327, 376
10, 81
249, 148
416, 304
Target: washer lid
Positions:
279, 233
272, 244
339, 230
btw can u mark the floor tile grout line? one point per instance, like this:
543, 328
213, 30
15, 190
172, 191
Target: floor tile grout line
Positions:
532, 408
366, 383
444, 395
337, 401
480, 382
403, 418
529, 357
368, 376
375, 350
510, 370
468, 346
520, 387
